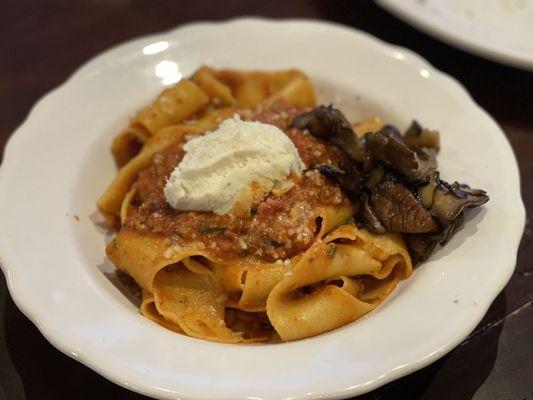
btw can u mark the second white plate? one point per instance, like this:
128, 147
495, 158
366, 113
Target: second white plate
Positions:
500, 30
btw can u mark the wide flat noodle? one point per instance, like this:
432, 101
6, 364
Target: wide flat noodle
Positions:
200, 103
306, 302
190, 290
110, 202
142, 255
125, 206
211, 119
218, 92
149, 310
249, 283
329, 285
331, 217
172, 106
343, 275
208, 91
297, 92
176, 288
254, 88
125, 146
193, 300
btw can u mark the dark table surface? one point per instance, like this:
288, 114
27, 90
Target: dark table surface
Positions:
43, 42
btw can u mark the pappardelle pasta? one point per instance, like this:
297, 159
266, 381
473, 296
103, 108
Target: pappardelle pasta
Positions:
296, 256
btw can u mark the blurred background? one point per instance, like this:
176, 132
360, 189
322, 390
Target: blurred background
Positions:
42, 42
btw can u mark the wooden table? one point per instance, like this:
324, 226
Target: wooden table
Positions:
43, 42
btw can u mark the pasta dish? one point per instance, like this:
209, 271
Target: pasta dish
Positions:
246, 213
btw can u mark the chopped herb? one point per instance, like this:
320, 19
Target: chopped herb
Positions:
114, 243
244, 253
143, 222
311, 259
206, 230
253, 211
331, 250
456, 301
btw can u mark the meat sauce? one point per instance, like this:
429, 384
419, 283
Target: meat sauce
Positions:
279, 227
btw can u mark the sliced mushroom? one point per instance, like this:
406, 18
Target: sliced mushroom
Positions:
450, 230
392, 132
450, 200
375, 177
384, 147
448, 205
396, 179
371, 221
425, 192
417, 137
420, 246
398, 209
329, 123
347, 175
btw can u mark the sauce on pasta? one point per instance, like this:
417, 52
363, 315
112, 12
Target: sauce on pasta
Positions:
281, 226
294, 267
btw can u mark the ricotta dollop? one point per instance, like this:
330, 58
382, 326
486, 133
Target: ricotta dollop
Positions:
228, 169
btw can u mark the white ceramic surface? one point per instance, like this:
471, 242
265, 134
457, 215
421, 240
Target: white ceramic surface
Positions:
500, 30
58, 162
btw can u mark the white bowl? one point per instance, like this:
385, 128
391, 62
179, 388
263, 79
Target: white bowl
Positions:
58, 162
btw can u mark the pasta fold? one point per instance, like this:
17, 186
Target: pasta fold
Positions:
336, 281
172, 106
110, 202
308, 301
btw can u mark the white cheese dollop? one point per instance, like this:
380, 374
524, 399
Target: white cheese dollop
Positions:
228, 169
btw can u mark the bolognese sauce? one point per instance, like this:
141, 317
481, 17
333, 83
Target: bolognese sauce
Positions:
278, 227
